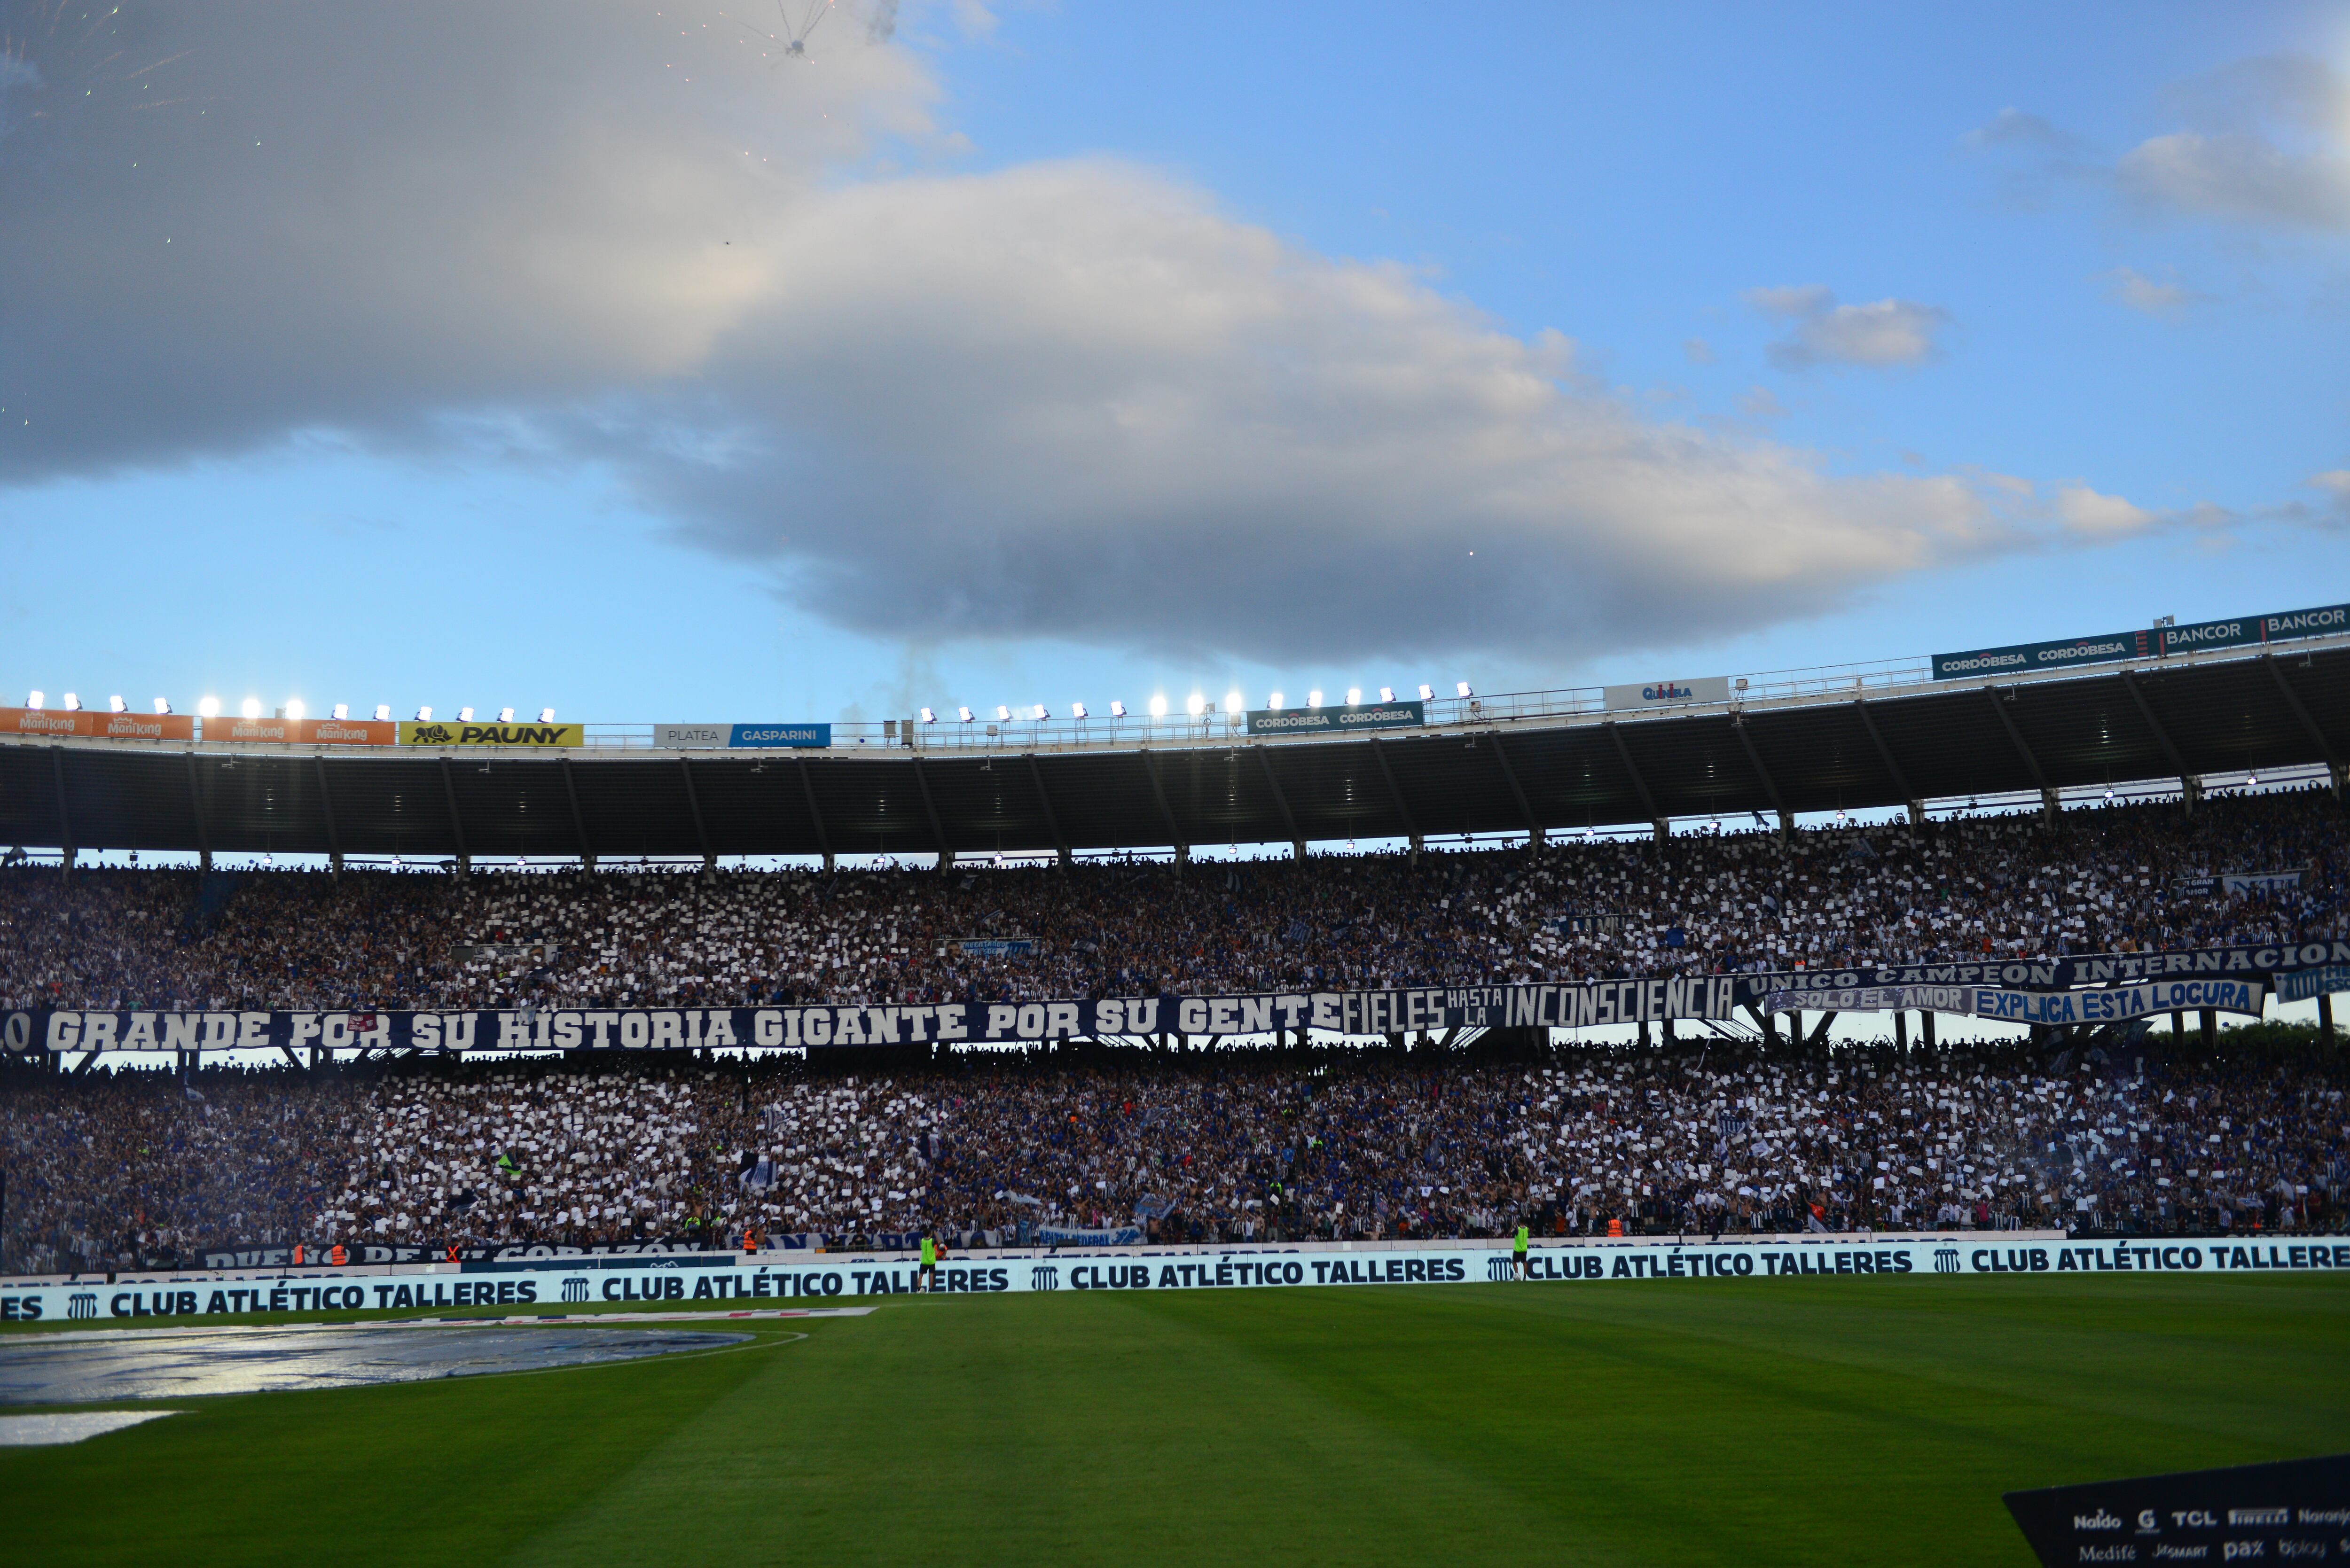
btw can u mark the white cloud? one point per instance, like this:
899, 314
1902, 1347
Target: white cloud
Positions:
2241, 176
2334, 485
2264, 142
2167, 298
2086, 512
2013, 127
1076, 399
1885, 334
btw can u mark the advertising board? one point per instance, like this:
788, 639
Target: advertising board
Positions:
60, 724
1668, 693
453, 732
1335, 720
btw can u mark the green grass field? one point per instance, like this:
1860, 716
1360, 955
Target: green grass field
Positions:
1717, 1422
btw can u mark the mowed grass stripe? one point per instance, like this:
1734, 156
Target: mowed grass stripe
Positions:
457, 1470
1713, 1409
1080, 1426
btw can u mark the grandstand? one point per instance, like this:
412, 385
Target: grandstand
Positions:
1418, 1136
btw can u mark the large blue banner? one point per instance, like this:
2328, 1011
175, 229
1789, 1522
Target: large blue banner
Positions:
2149, 642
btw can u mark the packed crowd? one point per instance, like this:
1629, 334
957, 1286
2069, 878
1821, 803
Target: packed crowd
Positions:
105, 1169
2114, 879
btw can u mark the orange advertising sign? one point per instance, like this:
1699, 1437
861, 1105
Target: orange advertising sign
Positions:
56, 722
303, 732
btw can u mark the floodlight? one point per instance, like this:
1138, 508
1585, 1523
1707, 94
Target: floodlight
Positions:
342, 711
1427, 692
506, 715
2109, 794
1158, 707
73, 705
1386, 693
294, 708
464, 715
1043, 712
115, 704
35, 700
546, 715
1002, 714
964, 714
209, 707
1196, 705
1274, 701
929, 717
1235, 701
1462, 686
162, 706
1354, 696
1077, 711
252, 709
2250, 778
1314, 698
425, 715
1116, 709
383, 713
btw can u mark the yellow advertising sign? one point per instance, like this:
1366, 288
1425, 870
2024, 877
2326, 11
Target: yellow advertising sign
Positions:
448, 732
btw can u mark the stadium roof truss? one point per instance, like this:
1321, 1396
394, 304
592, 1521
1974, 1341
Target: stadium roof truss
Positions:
2150, 721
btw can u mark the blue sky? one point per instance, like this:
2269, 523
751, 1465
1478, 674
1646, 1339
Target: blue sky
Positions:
1063, 353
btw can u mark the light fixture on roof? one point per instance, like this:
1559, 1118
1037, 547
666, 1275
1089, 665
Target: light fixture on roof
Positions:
1002, 714
546, 715
294, 708
1235, 701
425, 715
342, 711
1427, 692
1043, 712
162, 706
115, 704
1077, 711
1159, 706
209, 707
1386, 693
1463, 688
1116, 709
1314, 698
963, 715
1274, 701
1354, 696
464, 715
1195, 705
929, 717
73, 705
252, 708
34, 700
383, 713
506, 715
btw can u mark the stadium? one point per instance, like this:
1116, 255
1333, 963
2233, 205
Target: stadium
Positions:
586, 1083
1884, 1106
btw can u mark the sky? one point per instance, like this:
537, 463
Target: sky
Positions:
619, 358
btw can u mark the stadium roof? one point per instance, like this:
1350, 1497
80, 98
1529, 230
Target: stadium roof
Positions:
2218, 713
